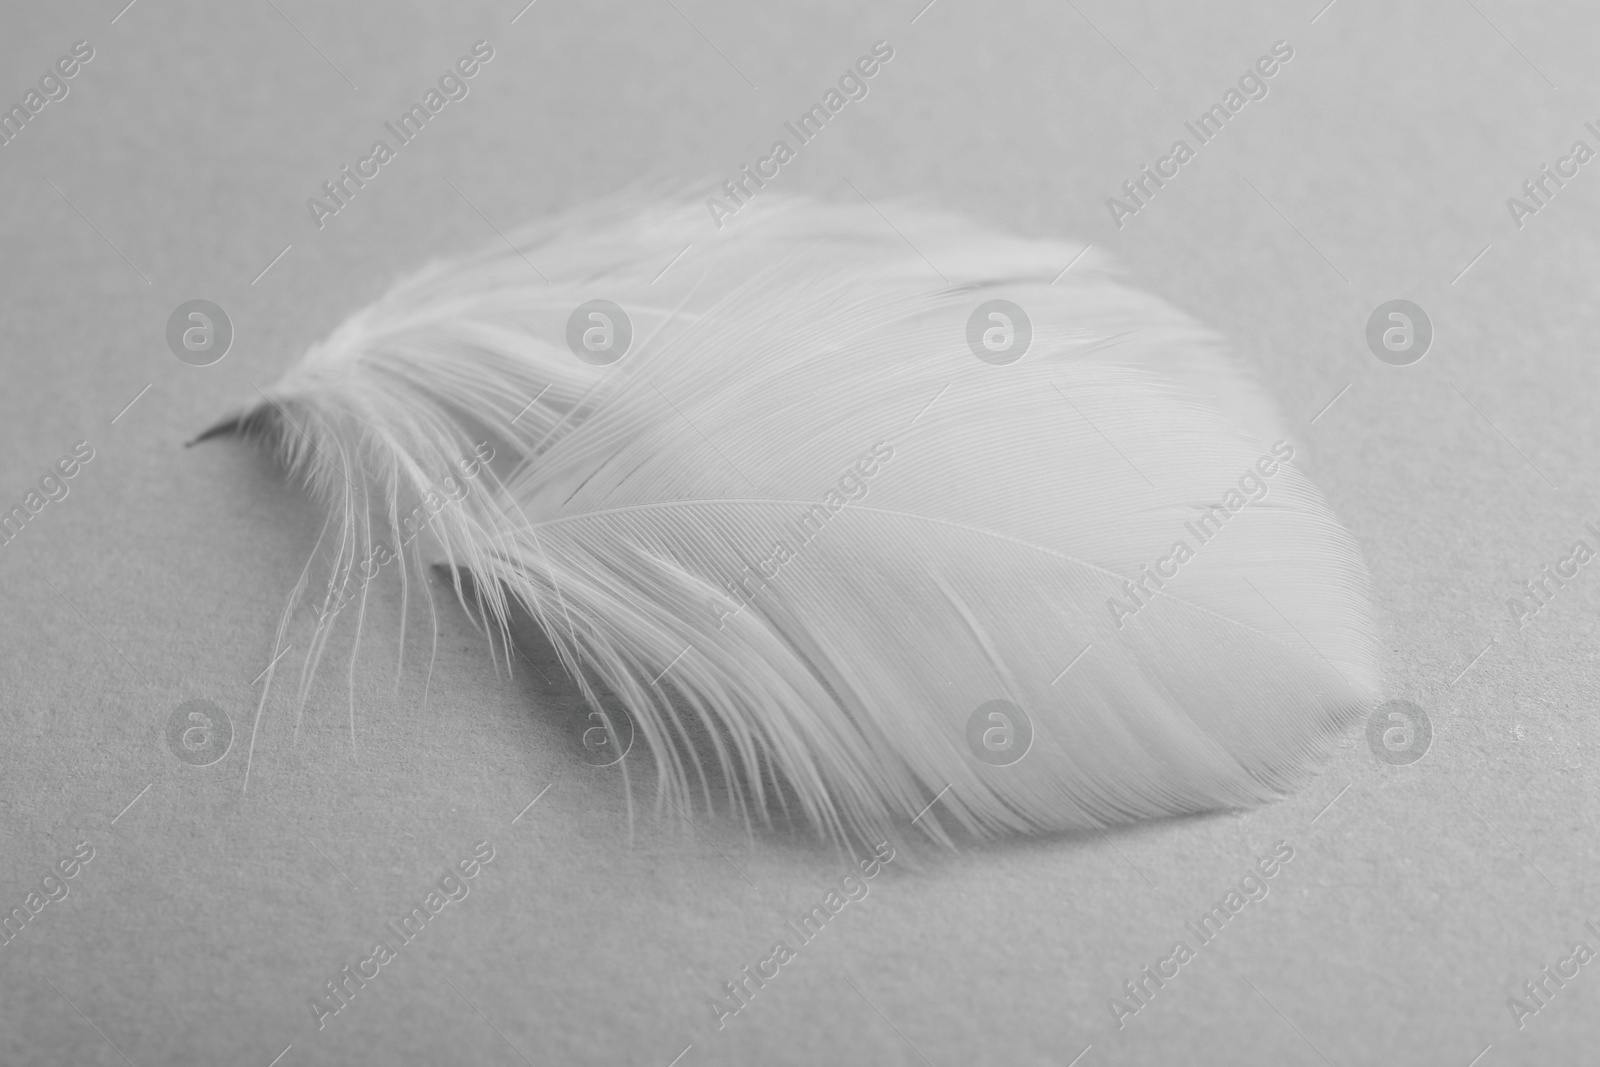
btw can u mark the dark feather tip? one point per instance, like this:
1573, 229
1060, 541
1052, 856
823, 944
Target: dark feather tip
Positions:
244, 424
227, 426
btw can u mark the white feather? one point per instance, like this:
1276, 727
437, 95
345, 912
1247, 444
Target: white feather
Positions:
626, 500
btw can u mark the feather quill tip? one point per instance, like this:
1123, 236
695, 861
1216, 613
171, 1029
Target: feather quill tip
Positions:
250, 423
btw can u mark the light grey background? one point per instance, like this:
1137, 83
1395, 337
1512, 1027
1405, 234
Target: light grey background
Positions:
1380, 162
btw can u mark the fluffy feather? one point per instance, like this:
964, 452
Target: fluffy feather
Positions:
629, 507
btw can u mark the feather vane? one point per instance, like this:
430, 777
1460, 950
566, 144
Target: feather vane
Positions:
802, 530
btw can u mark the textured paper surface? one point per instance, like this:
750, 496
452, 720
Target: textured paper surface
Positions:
1376, 168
